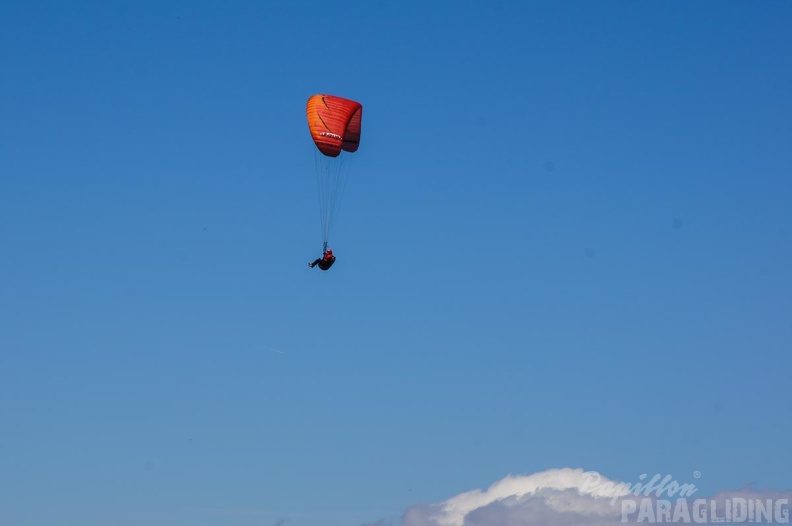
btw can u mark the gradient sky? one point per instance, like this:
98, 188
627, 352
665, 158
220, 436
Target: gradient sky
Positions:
566, 242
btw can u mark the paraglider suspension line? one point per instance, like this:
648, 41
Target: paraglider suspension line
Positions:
331, 175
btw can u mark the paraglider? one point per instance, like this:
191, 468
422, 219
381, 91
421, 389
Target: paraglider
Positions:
334, 123
324, 262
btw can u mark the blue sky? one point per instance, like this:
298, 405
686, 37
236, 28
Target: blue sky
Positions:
566, 242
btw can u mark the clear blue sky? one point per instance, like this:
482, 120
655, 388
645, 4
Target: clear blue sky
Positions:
566, 241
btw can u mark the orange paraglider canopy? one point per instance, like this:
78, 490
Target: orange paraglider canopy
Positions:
334, 123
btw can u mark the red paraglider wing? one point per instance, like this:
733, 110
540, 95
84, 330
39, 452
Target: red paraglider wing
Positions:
334, 123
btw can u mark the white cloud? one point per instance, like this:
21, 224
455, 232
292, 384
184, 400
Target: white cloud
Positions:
564, 492
557, 497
